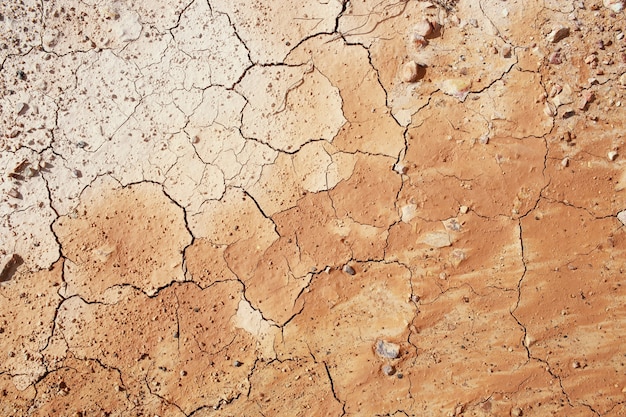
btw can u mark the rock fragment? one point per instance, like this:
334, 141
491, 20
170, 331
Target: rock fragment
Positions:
22, 108
517, 412
437, 239
457, 87
587, 98
411, 72
615, 5
14, 193
612, 155
419, 41
388, 370
621, 216
348, 269
423, 28
387, 350
9, 266
457, 256
558, 34
506, 51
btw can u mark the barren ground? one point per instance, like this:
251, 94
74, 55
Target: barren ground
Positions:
265, 208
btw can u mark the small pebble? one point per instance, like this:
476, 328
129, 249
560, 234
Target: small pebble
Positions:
13, 192
419, 41
506, 51
423, 28
387, 350
463, 209
388, 370
615, 5
22, 108
558, 34
555, 58
456, 87
30, 172
575, 364
81, 144
517, 412
348, 269
410, 72
612, 155
400, 375
588, 97
565, 162
621, 216
237, 364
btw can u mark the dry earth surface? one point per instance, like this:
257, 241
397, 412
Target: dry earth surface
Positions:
333, 208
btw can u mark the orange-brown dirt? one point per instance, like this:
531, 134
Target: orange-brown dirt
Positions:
341, 208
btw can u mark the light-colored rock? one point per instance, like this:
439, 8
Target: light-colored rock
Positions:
410, 72
423, 28
558, 34
439, 239
387, 350
457, 87
615, 5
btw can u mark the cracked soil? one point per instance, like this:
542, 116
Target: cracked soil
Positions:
339, 208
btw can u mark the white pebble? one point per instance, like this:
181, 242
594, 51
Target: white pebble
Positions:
410, 72
615, 5
612, 155
423, 28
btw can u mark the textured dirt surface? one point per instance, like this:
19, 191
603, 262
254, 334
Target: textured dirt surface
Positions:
341, 208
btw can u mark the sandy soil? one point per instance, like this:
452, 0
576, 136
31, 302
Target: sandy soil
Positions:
267, 208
